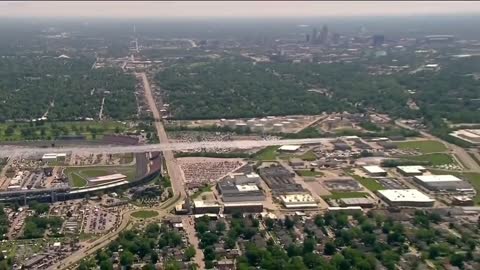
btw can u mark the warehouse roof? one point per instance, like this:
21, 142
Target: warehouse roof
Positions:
289, 147
438, 178
405, 195
411, 169
374, 169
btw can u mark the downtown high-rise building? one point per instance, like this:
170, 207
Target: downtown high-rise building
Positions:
324, 35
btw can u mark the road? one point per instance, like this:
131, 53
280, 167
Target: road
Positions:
94, 246
17, 150
163, 210
458, 151
173, 168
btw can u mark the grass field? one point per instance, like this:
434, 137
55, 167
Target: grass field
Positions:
143, 214
341, 195
308, 156
268, 153
308, 173
425, 146
50, 130
78, 175
369, 183
436, 159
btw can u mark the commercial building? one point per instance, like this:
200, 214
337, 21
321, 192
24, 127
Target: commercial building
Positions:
374, 171
405, 197
411, 170
362, 202
243, 207
289, 148
53, 156
463, 201
242, 190
280, 180
296, 162
203, 207
444, 183
298, 200
469, 135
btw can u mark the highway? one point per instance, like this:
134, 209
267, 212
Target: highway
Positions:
16, 150
173, 168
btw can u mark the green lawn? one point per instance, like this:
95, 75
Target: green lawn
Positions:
341, 195
145, 214
200, 191
308, 173
78, 175
369, 183
424, 146
436, 159
308, 156
268, 153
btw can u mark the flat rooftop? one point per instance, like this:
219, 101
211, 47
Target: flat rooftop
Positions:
289, 148
373, 169
405, 195
412, 169
201, 203
438, 178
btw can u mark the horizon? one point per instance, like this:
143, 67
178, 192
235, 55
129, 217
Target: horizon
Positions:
233, 10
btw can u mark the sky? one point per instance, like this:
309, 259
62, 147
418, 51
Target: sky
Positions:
232, 9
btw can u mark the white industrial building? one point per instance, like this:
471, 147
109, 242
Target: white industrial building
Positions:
444, 183
406, 197
289, 148
374, 170
299, 200
53, 156
411, 170
469, 135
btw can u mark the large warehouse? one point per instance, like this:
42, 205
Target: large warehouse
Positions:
444, 183
411, 170
240, 188
374, 171
405, 197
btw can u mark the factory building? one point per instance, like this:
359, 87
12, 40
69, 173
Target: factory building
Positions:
444, 183
411, 170
362, 202
203, 207
289, 148
296, 163
405, 197
242, 207
298, 200
280, 180
53, 156
374, 171
240, 191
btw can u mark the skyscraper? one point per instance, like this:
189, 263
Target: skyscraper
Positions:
314, 36
324, 35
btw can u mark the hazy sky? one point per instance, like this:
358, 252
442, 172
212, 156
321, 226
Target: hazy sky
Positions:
194, 9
